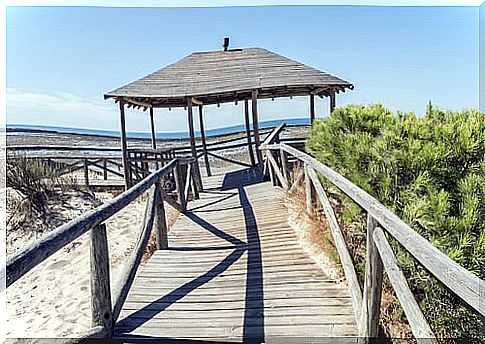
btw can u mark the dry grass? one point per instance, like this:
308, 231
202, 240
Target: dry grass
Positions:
352, 224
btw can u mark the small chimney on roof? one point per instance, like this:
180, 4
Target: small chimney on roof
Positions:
226, 44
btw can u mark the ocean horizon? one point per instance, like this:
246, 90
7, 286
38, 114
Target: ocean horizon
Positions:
147, 135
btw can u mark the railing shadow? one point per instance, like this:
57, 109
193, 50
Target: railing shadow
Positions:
253, 327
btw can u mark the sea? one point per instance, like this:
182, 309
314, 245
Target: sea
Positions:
147, 135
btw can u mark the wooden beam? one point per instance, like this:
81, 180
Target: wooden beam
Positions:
332, 101
129, 271
248, 132
371, 303
193, 148
133, 102
152, 126
312, 108
101, 313
317, 91
197, 101
124, 147
204, 145
254, 103
161, 223
308, 191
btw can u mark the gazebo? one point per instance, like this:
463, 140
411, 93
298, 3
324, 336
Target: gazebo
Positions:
215, 77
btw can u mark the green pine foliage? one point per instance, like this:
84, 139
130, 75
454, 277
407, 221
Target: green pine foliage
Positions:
428, 170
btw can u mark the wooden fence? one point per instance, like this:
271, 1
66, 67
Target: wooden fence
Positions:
107, 161
104, 314
379, 255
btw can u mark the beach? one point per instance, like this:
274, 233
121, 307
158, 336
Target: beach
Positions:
53, 299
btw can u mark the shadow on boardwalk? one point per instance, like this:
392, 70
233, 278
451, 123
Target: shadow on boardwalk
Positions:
253, 328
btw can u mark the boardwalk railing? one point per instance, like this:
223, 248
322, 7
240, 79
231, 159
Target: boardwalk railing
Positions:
379, 254
107, 161
104, 314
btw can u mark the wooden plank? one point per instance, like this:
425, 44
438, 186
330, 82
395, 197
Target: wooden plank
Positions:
340, 245
101, 313
415, 317
462, 282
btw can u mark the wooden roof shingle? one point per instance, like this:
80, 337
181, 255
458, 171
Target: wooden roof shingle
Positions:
226, 76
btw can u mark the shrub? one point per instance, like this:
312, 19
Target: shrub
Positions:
32, 178
428, 170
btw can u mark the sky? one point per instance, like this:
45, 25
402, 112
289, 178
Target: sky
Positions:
60, 60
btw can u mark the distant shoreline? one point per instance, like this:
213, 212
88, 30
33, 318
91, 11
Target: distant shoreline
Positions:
212, 133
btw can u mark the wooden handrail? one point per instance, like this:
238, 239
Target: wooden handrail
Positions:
462, 282
25, 260
273, 135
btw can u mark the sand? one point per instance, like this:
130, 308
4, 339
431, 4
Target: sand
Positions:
53, 300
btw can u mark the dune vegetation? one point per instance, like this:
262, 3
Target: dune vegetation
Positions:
430, 171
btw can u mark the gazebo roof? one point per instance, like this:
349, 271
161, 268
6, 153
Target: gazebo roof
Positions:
226, 76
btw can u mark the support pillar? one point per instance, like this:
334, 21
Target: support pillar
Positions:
257, 141
204, 146
124, 148
332, 101
312, 108
193, 148
248, 132
152, 126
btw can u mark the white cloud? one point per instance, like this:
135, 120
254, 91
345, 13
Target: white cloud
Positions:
69, 110
58, 108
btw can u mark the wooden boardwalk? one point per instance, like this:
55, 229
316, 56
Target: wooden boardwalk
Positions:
235, 272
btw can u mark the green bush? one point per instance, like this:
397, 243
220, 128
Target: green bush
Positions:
428, 170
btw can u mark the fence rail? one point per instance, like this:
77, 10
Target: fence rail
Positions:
103, 313
379, 255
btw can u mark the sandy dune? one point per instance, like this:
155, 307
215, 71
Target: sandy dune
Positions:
53, 300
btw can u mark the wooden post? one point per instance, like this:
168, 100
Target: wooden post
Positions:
101, 311
204, 146
179, 185
248, 132
124, 148
312, 108
369, 318
195, 192
308, 190
257, 141
161, 221
105, 169
284, 166
272, 173
193, 148
332, 101
86, 172
152, 127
